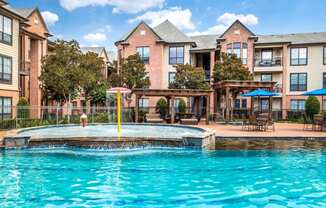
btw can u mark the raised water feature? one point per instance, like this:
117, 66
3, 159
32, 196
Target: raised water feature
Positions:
106, 136
162, 177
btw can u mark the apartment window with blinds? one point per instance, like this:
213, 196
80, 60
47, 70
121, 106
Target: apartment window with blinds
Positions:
237, 49
298, 81
268, 77
324, 55
297, 105
229, 48
244, 53
5, 107
324, 80
5, 69
144, 54
176, 55
299, 56
143, 103
5, 29
171, 77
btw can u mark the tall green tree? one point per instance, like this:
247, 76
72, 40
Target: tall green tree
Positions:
189, 77
59, 79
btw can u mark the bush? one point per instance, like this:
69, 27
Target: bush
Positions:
23, 108
182, 106
162, 107
312, 106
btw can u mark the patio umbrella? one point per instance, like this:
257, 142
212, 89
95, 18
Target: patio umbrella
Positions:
319, 92
260, 93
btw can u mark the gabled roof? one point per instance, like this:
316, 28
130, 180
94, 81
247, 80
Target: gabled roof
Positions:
238, 22
24, 12
171, 34
165, 32
13, 12
298, 38
97, 50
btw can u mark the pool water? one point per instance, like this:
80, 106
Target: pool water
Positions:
158, 177
142, 130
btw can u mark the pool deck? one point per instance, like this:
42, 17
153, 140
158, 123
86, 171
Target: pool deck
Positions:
290, 130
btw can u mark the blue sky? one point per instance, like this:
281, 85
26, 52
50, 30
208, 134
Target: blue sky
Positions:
102, 22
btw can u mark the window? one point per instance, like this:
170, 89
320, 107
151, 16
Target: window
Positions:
324, 55
5, 107
324, 80
237, 49
266, 77
229, 48
244, 104
297, 104
298, 82
5, 29
171, 77
264, 103
299, 56
237, 103
244, 53
143, 103
176, 55
144, 54
5, 69
266, 55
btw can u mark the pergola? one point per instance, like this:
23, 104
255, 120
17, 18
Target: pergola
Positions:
229, 85
170, 95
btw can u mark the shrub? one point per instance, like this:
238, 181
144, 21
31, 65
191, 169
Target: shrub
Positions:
162, 107
23, 108
312, 106
182, 106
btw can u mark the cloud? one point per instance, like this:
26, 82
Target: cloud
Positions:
95, 37
229, 18
181, 18
224, 21
50, 18
128, 6
104, 29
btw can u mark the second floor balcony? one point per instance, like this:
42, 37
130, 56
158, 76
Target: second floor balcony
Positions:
270, 64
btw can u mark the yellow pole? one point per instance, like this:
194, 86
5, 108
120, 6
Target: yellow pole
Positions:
119, 112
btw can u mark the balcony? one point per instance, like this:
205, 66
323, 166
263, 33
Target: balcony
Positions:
272, 65
24, 68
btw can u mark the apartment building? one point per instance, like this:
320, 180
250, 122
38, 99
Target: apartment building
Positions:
297, 62
10, 23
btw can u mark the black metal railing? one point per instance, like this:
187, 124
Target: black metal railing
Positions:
268, 62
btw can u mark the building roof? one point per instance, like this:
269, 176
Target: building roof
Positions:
97, 50
297, 38
169, 33
24, 12
165, 32
204, 42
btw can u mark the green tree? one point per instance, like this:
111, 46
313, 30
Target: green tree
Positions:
189, 77
312, 106
162, 107
133, 73
231, 68
59, 76
23, 110
98, 94
182, 106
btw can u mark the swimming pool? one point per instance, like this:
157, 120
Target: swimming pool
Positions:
107, 130
162, 177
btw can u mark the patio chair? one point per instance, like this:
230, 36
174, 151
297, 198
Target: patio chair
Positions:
307, 123
252, 123
317, 123
154, 118
189, 121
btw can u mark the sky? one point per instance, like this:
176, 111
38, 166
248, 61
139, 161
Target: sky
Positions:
102, 22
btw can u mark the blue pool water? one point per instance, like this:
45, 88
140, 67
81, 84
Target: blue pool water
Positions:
162, 178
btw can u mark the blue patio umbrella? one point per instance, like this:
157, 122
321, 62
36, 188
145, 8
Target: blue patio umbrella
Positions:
319, 92
260, 93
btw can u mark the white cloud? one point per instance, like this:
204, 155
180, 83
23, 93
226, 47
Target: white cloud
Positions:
129, 6
104, 29
229, 18
224, 21
95, 37
50, 18
181, 18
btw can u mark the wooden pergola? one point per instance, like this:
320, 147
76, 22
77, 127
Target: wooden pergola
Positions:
229, 85
170, 95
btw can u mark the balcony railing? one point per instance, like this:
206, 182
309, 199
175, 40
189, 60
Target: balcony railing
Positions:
268, 62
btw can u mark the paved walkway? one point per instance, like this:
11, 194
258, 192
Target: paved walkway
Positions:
281, 130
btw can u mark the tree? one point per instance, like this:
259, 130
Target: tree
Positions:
182, 106
59, 76
312, 106
98, 94
23, 108
133, 73
231, 68
189, 77
162, 107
